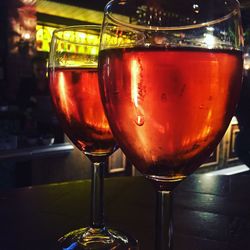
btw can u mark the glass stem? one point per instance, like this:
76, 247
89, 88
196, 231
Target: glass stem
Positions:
97, 214
164, 226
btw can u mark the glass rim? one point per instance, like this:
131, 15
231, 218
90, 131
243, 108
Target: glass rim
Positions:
109, 14
77, 28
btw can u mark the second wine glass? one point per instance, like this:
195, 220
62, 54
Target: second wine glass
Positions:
75, 93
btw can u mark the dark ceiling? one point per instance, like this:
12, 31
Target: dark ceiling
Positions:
90, 4
100, 4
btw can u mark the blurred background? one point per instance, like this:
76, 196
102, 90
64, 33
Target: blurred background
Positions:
33, 147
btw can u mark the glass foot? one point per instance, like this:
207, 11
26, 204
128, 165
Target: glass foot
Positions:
97, 238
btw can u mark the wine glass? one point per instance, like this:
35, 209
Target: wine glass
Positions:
75, 94
170, 77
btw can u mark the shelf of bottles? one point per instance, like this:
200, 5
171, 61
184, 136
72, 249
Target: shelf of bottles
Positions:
44, 36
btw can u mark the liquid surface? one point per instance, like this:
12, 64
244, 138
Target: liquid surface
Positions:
169, 108
75, 93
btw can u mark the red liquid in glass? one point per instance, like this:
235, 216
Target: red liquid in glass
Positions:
169, 108
75, 93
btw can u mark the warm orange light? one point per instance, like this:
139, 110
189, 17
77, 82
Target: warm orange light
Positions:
135, 74
63, 96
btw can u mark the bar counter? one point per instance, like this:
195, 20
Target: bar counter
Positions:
35, 151
210, 212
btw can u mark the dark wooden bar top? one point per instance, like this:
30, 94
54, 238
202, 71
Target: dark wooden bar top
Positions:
210, 212
35, 151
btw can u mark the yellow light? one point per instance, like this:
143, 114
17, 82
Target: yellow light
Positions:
43, 37
65, 10
67, 35
82, 35
94, 51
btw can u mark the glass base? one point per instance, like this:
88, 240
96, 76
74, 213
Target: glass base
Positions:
165, 183
97, 238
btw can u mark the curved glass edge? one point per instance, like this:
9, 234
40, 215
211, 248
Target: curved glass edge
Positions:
75, 46
226, 33
222, 33
108, 13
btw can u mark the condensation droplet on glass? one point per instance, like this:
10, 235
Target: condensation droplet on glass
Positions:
139, 120
202, 106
